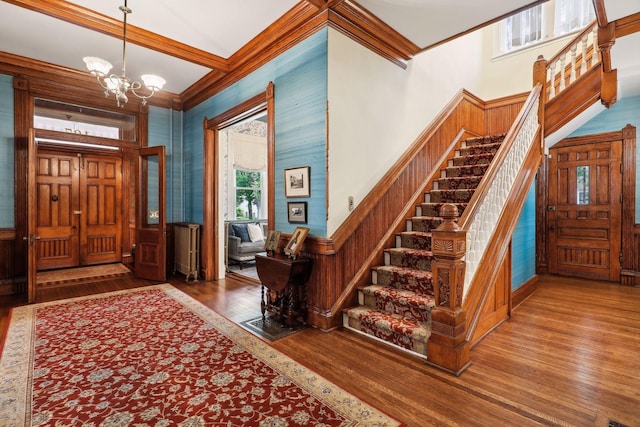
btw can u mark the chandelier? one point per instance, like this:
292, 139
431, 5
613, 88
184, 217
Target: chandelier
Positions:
120, 85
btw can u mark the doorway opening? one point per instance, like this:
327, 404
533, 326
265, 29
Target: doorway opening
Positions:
244, 176
238, 191
83, 185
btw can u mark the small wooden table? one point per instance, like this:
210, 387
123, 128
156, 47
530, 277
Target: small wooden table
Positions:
285, 280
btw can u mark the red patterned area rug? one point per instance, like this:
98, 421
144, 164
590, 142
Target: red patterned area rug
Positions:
156, 357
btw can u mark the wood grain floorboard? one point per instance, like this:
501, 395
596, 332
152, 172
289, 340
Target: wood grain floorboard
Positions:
568, 356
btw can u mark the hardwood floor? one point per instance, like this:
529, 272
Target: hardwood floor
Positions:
569, 355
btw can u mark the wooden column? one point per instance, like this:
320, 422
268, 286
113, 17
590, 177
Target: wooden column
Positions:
448, 349
609, 88
23, 120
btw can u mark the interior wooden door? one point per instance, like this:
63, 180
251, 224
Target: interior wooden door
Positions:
57, 209
150, 259
101, 207
584, 211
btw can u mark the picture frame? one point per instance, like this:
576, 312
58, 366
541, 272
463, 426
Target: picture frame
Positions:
295, 242
296, 182
297, 212
271, 241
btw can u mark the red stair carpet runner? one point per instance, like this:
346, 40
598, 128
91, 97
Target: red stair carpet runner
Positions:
396, 307
156, 357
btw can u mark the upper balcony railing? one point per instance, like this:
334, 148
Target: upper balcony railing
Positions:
579, 56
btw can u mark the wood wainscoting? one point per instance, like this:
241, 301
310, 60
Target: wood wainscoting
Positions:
7, 260
632, 277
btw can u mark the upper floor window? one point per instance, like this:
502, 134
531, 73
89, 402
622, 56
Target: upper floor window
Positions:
544, 22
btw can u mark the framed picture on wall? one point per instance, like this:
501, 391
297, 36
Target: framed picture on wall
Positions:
297, 212
298, 236
296, 182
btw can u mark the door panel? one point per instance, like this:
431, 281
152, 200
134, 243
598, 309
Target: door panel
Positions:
585, 210
101, 195
151, 227
57, 207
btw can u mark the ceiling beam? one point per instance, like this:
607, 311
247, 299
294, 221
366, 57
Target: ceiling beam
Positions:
87, 18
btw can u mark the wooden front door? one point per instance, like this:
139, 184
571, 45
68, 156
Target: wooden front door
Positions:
77, 209
584, 211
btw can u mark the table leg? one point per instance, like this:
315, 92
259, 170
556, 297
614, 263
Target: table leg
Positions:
263, 304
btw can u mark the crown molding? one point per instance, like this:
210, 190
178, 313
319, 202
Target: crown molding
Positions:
303, 20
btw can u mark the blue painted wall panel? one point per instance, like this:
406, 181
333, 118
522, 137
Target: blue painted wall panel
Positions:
300, 79
7, 197
523, 243
165, 128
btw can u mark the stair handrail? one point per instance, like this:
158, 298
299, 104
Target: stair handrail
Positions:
483, 212
578, 56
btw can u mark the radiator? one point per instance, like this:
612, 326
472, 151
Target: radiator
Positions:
187, 249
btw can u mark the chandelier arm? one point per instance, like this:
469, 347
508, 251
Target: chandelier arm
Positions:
137, 85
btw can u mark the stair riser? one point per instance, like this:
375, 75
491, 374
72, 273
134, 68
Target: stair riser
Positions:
481, 159
479, 149
413, 241
405, 281
419, 313
484, 140
389, 336
464, 171
408, 260
425, 224
451, 196
433, 209
459, 183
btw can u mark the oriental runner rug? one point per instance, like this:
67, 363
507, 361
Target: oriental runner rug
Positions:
156, 357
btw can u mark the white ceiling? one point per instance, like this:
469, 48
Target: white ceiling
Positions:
222, 27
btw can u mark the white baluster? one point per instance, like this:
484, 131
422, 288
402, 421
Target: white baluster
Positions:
563, 61
594, 37
552, 80
572, 75
583, 67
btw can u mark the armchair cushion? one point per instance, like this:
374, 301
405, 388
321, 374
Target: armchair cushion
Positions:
255, 232
241, 231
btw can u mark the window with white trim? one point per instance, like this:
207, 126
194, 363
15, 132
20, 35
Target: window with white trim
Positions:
544, 22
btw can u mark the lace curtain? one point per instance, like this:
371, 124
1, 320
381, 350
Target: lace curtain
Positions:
522, 29
572, 15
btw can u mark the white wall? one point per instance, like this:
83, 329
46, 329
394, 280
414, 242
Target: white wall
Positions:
377, 109
512, 73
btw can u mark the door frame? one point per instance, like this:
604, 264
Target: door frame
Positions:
628, 265
211, 227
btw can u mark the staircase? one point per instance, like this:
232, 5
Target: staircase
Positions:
396, 307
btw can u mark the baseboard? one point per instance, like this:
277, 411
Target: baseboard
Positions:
524, 291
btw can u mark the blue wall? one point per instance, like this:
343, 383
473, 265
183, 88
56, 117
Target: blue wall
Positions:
625, 111
6, 153
165, 128
300, 79
523, 243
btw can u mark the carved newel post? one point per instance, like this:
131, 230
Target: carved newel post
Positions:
448, 347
